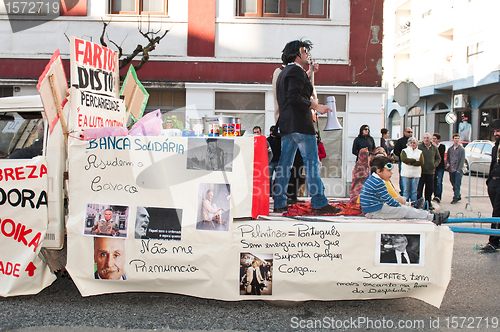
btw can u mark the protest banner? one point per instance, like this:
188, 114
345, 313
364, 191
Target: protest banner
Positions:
53, 88
94, 68
90, 110
135, 95
23, 224
165, 210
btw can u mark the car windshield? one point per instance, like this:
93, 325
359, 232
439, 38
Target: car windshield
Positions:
18, 131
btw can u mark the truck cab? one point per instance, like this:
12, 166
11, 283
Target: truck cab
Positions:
24, 134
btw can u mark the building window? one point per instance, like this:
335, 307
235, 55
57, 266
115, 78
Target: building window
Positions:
6, 91
139, 7
172, 104
283, 8
248, 106
415, 119
474, 51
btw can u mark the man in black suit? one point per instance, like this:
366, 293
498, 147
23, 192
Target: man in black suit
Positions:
493, 184
294, 91
399, 254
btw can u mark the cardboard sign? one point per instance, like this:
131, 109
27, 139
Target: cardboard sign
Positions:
94, 68
136, 96
55, 91
23, 224
90, 110
182, 238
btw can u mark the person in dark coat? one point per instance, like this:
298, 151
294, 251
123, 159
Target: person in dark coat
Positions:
384, 141
493, 184
364, 140
398, 147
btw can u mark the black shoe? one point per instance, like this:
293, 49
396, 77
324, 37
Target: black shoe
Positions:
437, 199
291, 201
281, 210
455, 201
459, 199
489, 248
419, 203
440, 217
327, 209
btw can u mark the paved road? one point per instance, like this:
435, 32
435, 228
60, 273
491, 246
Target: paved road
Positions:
472, 292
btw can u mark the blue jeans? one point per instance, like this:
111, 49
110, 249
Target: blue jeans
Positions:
438, 183
309, 151
410, 188
456, 182
272, 168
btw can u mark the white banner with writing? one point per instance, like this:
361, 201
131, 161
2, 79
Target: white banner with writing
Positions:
23, 224
156, 214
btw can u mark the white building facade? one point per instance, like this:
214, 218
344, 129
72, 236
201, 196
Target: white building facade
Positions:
218, 57
450, 51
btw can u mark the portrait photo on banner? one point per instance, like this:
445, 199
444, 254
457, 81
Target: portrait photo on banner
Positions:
211, 154
106, 220
158, 223
109, 258
400, 249
213, 209
256, 273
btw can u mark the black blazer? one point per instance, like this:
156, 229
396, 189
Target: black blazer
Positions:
390, 257
293, 91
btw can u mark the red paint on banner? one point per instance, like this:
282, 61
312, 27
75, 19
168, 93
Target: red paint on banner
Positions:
31, 269
10, 269
22, 173
19, 233
91, 54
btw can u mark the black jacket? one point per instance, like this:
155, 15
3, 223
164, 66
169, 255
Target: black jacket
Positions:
362, 142
293, 91
400, 145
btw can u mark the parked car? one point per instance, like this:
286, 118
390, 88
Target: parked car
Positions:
478, 151
448, 144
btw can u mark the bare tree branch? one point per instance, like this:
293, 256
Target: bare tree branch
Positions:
104, 26
152, 37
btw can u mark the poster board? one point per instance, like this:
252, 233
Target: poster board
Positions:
190, 250
94, 68
23, 224
135, 94
55, 69
90, 110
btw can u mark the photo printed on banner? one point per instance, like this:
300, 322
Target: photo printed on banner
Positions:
158, 223
211, 154
400, 249
106, 220
256, 273
109, 258
213, 209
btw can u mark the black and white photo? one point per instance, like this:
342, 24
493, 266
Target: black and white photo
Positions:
158, 223
211, 154
400, 249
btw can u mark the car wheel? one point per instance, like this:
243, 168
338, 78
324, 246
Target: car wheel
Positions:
465, 168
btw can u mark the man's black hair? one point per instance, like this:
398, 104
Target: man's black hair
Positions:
384, 131
292, 50
438, 135
257, 127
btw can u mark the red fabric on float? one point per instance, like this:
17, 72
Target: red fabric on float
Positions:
260, 199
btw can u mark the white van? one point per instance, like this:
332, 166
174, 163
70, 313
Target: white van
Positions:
23, 134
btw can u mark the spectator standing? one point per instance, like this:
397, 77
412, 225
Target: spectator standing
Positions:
257, 130
493, 184
274, 141
411, 170
438, 175
364, 140
454, 164
398, 147
431, 161
384, 141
